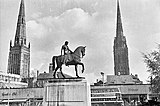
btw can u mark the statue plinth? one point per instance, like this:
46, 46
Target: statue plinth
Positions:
67, 92
72, 79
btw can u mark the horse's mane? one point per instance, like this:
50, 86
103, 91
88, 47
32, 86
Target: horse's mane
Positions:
78, 48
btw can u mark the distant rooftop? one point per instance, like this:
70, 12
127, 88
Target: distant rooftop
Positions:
50, 75
123, 79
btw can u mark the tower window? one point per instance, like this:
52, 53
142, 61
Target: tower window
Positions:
17, 40
22, 20
24, 41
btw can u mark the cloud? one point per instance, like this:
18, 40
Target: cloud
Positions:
36, 30
47, 34
92, 23
84, 22
36, 15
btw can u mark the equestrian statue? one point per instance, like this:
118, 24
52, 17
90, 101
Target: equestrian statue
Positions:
68, 57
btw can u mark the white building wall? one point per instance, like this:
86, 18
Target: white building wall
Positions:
11, 81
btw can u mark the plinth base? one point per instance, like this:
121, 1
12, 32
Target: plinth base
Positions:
67, 92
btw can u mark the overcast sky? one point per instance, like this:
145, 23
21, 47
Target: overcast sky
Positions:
90, 23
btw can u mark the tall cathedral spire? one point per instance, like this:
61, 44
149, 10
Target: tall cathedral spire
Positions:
121, 64
19, 55
20, 37
119, 30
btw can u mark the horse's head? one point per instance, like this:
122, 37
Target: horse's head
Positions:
80, 51
83, 50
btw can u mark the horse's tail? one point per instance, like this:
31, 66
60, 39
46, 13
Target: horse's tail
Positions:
53, 63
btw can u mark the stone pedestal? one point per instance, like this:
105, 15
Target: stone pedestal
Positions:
67, 92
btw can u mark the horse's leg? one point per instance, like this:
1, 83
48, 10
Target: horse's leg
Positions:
53, 63
82, 66
54, 75
76, 71
62, 72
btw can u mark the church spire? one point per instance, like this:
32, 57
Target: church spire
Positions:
22, 9
119, 30
121, 61
20, 37
19, 54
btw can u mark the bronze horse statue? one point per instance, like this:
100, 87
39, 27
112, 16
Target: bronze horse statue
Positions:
75, 60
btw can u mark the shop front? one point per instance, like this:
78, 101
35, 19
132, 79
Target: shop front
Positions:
135, 93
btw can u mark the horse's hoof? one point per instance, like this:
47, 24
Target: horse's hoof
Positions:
83, 71
54, 76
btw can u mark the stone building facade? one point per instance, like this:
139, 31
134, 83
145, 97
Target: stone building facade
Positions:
121, 62
19, 54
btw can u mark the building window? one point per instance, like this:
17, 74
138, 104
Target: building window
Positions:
17, 40
24, 41
22, 20
2, 77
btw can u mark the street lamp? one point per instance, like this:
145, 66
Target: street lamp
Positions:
102, 73
8, 89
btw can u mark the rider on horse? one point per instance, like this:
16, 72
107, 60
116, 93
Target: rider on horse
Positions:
66, 52
74, 59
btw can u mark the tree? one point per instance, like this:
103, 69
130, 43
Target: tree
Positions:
152, 61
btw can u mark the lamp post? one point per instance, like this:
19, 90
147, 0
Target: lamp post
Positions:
102, 77
8, 89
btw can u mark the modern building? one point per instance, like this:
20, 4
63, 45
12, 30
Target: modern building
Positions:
121, 61
106, 96
130, 86
19, 54
130, 93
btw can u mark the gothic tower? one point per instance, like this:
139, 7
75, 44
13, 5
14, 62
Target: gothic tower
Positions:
121, 64
19, 54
